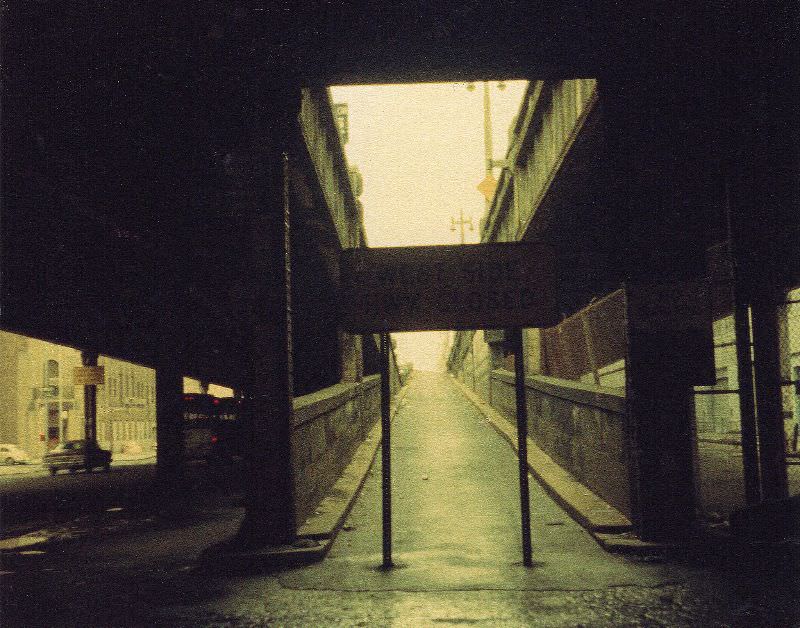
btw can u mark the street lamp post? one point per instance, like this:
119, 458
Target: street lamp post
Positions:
488, 150
487, 128
489, 162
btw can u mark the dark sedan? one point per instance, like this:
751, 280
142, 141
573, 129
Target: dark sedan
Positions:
77, 454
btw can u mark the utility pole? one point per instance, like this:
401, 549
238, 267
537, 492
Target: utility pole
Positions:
61, 435
89, 359
461, 222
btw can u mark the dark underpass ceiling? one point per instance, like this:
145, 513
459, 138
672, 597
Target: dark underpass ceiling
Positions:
333, 42
117, 119
328, 42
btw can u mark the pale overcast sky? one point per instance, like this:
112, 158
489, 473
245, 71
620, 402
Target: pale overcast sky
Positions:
420, 151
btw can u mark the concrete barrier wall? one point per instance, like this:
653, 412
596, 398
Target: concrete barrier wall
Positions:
482, 371
474, 368
580, 426
328, 426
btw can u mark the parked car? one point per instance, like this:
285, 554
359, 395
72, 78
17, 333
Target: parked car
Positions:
77, 454
12, 454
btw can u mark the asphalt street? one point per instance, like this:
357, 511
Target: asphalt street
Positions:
456, 548
34, 499
10, 474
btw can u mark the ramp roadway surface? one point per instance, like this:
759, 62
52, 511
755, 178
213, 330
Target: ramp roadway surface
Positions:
456, 517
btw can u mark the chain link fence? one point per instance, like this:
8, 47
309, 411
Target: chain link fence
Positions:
589, 345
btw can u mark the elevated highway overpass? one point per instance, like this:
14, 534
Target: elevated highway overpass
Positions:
159, 166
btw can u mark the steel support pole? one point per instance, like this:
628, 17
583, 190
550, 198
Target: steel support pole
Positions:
744, 366
487, 130
769, 403
747, 406
270, 499
487, 134
522, 444
386, 469
169, 424
88, 358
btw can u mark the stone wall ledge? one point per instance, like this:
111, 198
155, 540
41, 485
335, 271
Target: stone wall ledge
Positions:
577, 392
313, 405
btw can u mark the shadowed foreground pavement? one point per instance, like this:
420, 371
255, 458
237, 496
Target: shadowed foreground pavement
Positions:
456, 545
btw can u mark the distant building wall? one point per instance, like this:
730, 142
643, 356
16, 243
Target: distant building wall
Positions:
13, 409
192, 385
40, 405
718, 412
792, 398
126, 407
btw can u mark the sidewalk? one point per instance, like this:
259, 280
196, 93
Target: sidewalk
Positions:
448, 424
456, 552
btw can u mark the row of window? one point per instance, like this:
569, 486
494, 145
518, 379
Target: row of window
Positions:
124, 385
562, 109
130, 430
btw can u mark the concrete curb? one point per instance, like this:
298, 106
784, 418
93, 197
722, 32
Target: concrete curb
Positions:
330, 515
607, 525
316, 536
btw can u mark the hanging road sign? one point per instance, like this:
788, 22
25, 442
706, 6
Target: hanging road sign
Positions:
89, 375
472, 286
683, 310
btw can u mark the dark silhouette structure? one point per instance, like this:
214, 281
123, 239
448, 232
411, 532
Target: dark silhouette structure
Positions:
150, 200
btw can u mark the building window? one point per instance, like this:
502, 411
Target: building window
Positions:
51, 372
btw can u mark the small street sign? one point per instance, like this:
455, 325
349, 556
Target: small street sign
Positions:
675, 305
487, 187
474, 286
89, 375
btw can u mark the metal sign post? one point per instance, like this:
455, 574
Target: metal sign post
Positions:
92, 374
386, 468
495, 285
522, 444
